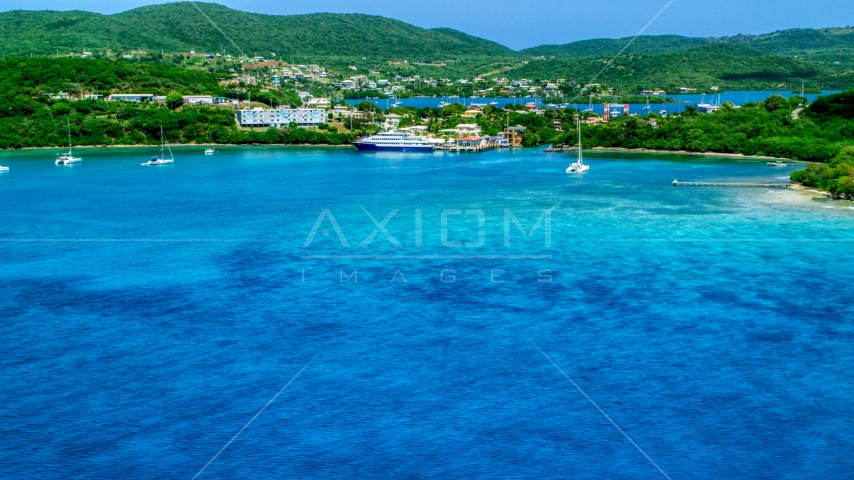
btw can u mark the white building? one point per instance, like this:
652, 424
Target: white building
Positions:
281, 117
468, 129
131, 97
319, 102
198, 100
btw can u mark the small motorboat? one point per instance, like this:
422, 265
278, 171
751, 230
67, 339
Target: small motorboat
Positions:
493, 103
4, 169
778, 163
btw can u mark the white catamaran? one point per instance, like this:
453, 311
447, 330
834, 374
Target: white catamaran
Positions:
161, 159
67, 158
579, 166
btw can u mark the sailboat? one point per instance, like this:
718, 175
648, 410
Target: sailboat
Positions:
2, 168
161, 159
67, 158
579, 166
648, 107
590, 106
210, 150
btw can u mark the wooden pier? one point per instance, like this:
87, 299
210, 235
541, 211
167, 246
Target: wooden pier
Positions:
677, 183
560, 149
463, 149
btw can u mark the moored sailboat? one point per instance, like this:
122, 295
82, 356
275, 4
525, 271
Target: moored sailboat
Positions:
161, 159
579, 166
67, 158
210, 150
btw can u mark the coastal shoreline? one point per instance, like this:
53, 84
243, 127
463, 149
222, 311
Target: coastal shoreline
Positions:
794, 186
685, 152
814, 191
183, 145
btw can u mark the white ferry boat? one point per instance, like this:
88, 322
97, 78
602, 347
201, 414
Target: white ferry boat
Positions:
394, 141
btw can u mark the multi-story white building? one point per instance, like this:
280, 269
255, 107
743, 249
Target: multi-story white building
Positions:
281, 117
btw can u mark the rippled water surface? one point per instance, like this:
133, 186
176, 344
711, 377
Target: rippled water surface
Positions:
148, 313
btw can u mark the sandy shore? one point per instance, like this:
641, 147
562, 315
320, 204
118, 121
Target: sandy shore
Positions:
810, 190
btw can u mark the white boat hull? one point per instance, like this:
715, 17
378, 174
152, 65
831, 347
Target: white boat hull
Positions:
68, 161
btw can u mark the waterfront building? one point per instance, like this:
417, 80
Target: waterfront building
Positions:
281, 117
513, 136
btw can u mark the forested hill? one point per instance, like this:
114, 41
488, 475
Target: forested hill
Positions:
731, 67
825, 45
647, 45
180, 27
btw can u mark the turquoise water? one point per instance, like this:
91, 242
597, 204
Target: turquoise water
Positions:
150, 312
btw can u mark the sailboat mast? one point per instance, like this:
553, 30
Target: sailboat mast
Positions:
161, 142
579, 138
68, 122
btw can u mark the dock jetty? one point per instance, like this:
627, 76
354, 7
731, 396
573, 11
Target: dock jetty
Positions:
677, 183
561, 149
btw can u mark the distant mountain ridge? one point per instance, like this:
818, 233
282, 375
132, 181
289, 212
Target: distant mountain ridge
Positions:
725, 65
649, 45
180, 27
825, 44
823, 56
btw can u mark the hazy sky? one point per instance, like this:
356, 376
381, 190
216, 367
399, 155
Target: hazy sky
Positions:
526, 23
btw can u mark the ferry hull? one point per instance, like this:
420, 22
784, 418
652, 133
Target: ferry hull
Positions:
383, 148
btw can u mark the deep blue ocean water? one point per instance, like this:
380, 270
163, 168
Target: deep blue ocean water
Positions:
148, 313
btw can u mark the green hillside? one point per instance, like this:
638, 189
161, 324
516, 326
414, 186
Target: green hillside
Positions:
30, 119
724, 65
833, 47
648, 45
822, 57
180, 27
830, 46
